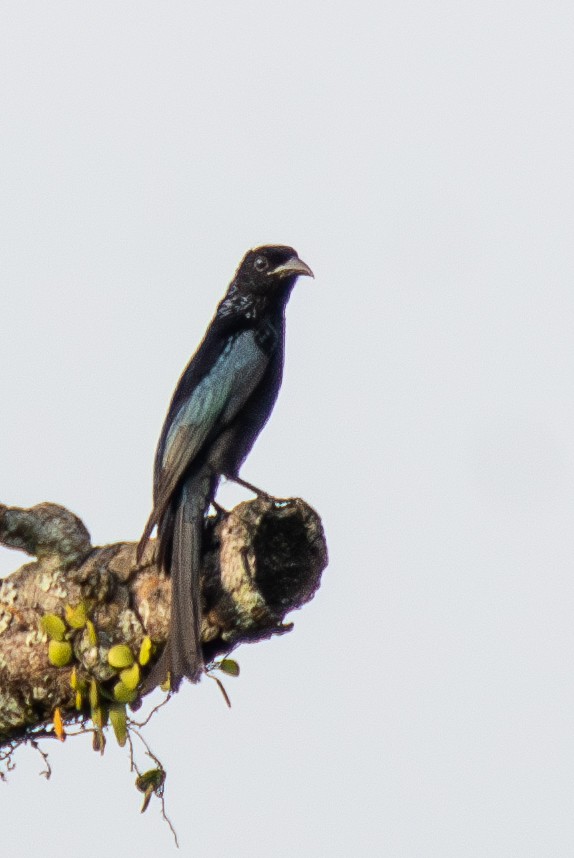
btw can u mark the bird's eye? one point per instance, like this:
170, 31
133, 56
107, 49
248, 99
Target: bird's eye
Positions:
260, 263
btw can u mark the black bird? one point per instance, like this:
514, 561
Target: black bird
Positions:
222, 401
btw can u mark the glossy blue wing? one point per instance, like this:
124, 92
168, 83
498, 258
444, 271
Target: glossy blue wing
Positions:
214, 402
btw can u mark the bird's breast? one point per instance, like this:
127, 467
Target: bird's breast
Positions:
267, 336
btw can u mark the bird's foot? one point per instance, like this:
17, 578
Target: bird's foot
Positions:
220, 511
249, 486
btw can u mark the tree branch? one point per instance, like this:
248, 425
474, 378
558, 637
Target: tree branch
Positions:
261, 560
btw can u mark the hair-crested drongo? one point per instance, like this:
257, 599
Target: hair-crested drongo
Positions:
222, 401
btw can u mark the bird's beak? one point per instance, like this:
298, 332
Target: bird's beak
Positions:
293, 267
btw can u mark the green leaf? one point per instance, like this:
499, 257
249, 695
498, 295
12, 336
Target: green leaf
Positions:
76, 616
229, 666
94, 695
123, 694
118, 720
153, 778
130, 676
100, 717
145, 651
54, 627
92, 633
120, 656
59, 653
147, 797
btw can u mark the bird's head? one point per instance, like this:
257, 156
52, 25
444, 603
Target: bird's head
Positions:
269, 270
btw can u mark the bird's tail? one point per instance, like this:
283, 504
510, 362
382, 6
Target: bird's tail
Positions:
151, 522
182, 655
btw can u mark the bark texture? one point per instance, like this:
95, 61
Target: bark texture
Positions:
261, 560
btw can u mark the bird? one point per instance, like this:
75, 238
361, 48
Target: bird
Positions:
221, 403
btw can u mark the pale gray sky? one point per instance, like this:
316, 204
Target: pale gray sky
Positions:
419, 156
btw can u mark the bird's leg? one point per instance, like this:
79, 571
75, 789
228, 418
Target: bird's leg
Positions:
220, 510
249, 486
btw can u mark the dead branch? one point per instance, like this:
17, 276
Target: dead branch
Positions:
261, 560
